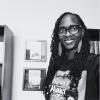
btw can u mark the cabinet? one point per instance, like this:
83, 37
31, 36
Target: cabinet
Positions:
6, 62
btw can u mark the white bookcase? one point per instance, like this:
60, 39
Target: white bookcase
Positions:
6, 62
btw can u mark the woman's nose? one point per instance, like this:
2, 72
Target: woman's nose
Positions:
67, 33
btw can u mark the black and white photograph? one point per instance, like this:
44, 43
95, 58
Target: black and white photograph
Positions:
36, 50
50, 50
33, 79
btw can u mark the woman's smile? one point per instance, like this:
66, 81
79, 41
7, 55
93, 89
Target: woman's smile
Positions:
69, 41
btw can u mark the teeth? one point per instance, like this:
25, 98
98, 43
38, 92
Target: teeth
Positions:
69, 41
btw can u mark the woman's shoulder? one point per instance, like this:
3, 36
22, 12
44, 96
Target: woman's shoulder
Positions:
93, 61
94, 57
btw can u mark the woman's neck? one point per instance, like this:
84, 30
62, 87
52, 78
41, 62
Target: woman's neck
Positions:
70, 54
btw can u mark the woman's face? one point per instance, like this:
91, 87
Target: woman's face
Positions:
70, 32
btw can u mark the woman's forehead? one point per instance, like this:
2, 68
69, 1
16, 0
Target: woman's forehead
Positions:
68, 19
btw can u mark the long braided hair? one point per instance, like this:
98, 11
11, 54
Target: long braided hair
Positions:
55, 59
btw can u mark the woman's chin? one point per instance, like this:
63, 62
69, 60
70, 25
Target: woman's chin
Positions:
70, 47
69, 44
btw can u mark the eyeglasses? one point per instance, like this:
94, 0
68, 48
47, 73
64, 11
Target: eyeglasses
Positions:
73, 29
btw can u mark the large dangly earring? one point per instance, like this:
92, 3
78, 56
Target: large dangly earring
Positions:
79, 46
80, 43
59, 49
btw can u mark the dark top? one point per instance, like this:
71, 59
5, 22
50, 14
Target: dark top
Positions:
92, 84
92, 79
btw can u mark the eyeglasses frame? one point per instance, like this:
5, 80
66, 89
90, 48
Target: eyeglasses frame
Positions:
68, 29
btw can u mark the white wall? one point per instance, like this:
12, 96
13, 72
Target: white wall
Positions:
34, 19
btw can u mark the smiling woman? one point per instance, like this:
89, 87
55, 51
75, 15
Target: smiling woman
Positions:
74, 34
71, 72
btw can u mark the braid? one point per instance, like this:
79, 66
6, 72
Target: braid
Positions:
81, 58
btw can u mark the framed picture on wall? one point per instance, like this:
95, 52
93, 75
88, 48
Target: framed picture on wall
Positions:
33, 79
36, 50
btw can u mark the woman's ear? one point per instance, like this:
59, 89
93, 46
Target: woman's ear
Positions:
59, 49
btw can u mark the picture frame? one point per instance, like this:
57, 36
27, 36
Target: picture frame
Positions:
33, 79
36, 50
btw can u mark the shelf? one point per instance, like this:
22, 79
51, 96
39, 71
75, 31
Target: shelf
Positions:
1, 52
